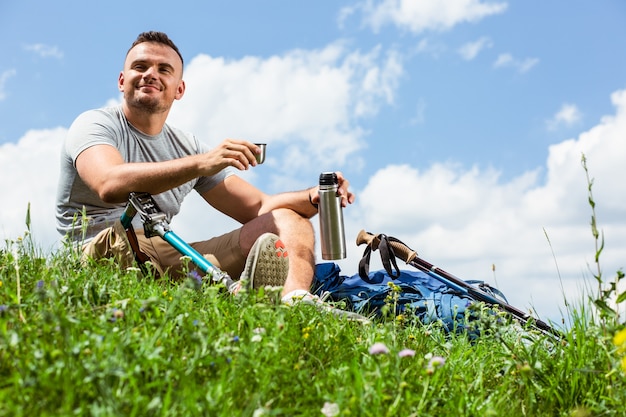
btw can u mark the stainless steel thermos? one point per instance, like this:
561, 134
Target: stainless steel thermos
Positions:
332, 234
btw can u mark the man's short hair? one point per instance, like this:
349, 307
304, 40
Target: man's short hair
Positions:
158, 37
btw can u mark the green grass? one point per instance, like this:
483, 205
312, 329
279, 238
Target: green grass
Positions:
96, 341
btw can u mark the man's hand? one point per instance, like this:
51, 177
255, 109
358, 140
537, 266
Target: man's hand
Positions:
347, 197
239, 154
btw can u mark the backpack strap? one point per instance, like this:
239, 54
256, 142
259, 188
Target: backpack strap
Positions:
387, 256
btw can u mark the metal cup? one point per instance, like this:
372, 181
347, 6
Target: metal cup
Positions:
260, 157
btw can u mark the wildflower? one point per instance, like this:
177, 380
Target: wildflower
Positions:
3, 309
330, 409
619, 340
196, 278
40, 284
379, 349
406, 353
434, 363
235, 339
256, 338
260, 412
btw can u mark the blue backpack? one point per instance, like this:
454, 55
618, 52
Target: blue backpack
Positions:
430, 294
410, 293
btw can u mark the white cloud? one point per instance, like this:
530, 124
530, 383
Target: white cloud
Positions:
307, 95
568, 115
507, 60
45, 51
503, 60
345, 13
427, 46
4, 77
470, 50
30, 171
419, 16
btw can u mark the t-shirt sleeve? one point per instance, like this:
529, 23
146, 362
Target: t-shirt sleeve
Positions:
91, 128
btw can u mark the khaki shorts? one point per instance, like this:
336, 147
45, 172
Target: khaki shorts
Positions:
222, 251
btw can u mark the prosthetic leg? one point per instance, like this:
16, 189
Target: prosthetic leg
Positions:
155, 224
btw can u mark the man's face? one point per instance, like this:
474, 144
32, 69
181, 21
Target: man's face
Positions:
152, 77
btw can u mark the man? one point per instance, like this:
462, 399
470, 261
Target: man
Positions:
114, 151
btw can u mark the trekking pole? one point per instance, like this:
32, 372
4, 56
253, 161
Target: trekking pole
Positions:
155, 224
409, 256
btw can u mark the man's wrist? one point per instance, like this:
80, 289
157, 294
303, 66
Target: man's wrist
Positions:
311, 201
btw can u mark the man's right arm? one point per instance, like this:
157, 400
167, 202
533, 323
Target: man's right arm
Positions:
104, 171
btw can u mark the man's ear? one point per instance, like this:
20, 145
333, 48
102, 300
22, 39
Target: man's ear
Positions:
120, 82
181, 90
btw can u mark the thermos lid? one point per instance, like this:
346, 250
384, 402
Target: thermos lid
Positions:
328, 178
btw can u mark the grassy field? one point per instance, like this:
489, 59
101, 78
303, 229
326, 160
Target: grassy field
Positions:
97, 341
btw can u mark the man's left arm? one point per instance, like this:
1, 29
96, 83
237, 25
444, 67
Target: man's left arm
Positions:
244, 202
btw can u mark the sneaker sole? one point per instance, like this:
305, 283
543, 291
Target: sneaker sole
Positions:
267, 263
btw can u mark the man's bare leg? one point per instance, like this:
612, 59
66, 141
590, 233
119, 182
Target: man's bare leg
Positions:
297, 233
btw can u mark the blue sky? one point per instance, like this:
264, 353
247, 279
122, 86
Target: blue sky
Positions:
460, 123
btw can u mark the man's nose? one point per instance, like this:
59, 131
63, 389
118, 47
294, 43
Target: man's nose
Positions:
150, 73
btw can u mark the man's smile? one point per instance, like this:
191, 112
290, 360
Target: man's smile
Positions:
149, 86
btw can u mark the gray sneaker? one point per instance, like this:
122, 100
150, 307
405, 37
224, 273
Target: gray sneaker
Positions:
322, 305
267, 263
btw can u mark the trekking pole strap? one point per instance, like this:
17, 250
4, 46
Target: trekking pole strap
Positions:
126, 220
387, 255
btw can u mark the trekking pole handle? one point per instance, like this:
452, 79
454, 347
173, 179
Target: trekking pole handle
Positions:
367, 238
401, 250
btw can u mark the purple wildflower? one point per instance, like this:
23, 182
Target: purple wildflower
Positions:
379, 349
196, 277
434, 363
406, 353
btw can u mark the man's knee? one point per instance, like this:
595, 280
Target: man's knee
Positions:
287, 220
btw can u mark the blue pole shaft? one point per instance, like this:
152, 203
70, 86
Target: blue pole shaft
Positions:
184, 248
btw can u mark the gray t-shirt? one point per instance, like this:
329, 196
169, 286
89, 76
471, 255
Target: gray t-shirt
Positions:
109, 126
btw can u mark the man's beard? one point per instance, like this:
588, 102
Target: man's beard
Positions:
145, 104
